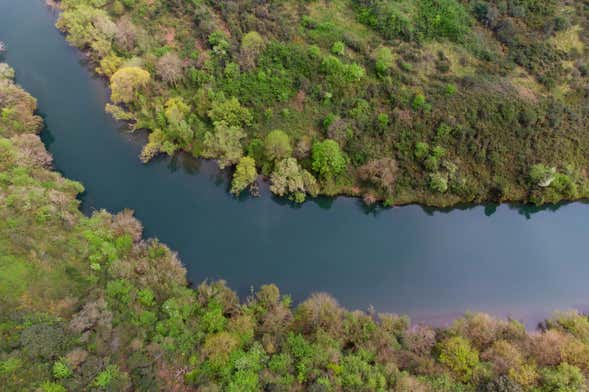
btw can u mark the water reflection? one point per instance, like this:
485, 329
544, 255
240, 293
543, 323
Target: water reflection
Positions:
189, 165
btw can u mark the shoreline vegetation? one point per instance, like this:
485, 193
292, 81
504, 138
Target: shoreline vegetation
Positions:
86, 303
434, 102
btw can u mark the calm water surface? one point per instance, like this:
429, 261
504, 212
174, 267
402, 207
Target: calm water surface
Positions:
430, 265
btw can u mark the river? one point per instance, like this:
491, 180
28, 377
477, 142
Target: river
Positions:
432, 265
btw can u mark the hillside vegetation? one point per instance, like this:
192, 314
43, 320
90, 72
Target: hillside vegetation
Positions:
400, 101
87, 304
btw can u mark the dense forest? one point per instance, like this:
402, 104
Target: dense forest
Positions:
87, 304
396, 101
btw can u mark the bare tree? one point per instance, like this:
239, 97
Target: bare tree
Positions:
170, 68
126, 34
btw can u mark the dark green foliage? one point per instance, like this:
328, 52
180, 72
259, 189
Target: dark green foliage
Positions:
423, 19
500, 384
443, 19
43, 341
563, 378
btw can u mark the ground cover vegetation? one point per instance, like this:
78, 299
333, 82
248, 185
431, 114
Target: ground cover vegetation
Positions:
87, 304
399, 101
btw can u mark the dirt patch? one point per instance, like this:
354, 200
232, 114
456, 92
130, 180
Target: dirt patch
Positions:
404, 116
299, 101
169, 35
527, 94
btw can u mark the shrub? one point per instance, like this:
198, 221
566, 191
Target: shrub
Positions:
525, 375
443, 19
419, 102
500, 384
176, 110
548, 347
354, 73
383, 58
443, 132
338, 48
106, 377
565, 186
43, 341
319, 312
451, 89
571, 322
341, 75
431, 163
268, 295
504, 357
391, 19
383, 119
421, 150
61, 370
48, 386
109, 65
420, 340
381, 172
217, 349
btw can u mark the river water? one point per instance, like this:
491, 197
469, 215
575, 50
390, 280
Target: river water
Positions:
433, 265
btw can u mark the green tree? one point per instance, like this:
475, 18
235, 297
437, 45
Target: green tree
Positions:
6, 72
223, 144
288, 178
245, 174
541, 176
109, 65
277, 145
564, 378
458, 355
230, 111
328, 158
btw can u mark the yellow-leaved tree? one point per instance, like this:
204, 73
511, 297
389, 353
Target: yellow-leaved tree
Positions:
126, 82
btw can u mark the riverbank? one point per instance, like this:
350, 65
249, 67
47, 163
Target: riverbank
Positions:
505, 260
478, 124
87, 304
